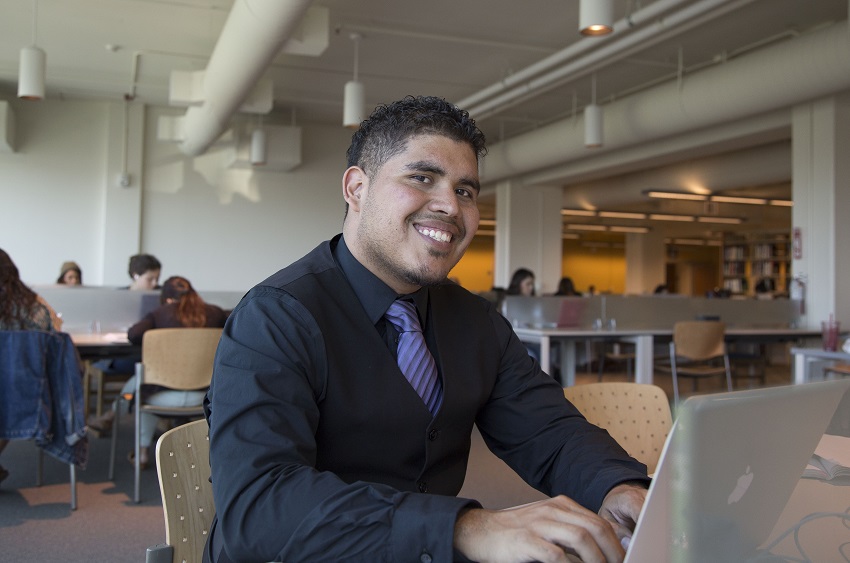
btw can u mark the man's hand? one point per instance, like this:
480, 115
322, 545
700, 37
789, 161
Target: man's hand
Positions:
622, 506
543, 531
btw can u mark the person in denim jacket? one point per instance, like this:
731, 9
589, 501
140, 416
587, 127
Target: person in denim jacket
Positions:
21, 309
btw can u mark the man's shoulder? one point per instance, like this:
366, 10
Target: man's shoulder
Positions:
316, 261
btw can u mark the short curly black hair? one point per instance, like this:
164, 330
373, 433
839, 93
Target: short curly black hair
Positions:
141, 263
384, 133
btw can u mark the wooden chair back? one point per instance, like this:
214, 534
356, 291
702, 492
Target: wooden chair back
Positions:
699, 340
636, 415
182, 462
179, 358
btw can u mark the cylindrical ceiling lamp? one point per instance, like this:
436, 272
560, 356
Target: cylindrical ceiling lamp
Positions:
354, 100
33, 62
258, 147
596, 17
593, 126
593, 122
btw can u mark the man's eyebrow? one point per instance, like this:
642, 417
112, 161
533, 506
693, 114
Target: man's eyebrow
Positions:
427, 166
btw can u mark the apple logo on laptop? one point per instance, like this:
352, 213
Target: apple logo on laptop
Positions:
741, 486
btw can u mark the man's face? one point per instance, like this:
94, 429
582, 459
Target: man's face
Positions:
411, 222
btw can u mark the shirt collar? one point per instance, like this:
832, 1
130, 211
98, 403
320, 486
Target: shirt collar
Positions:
374, 295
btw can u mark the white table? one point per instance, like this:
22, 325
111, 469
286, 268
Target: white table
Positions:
803, 357
567, 337
643, 339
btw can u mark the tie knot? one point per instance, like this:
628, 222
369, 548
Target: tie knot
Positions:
403, 316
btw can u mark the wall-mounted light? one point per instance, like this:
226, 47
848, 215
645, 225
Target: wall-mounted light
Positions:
354, 100
596, 17
33, 62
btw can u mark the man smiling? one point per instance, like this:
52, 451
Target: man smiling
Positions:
347, 384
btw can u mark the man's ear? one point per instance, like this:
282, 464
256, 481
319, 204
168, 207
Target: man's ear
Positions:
353, 182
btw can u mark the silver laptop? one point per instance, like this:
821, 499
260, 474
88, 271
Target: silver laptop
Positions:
730, 465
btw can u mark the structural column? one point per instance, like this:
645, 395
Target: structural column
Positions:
646, 257
821, 189
528, 233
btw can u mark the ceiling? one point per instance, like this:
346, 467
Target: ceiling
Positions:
452, 48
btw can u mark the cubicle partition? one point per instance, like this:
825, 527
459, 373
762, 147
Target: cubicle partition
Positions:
111, 310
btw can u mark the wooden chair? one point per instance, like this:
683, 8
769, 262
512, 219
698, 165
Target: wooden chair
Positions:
696, 351
182, 462
637, 415
838, 369
180, 359
618, 352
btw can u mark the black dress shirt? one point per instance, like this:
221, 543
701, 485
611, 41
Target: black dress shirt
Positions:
322, 451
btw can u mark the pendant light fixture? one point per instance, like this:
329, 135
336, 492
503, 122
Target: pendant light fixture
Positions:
354, 101
258, 144
33, 62
593, 121
596, 17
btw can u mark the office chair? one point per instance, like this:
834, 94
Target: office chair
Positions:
695, 351
636, 415
183, 466
619, 351
176, 358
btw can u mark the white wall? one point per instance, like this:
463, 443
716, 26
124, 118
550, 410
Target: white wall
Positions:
221, 226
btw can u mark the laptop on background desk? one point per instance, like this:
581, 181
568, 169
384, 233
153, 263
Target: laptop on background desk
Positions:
728, 469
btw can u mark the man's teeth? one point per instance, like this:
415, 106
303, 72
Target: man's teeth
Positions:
436, 235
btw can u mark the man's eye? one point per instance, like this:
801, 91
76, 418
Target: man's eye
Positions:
421, 178
464, 193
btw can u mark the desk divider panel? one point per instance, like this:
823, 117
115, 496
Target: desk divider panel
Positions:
646, 312
108, 309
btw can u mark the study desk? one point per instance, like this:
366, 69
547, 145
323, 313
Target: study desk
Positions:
803, 357
101, 346
643, 339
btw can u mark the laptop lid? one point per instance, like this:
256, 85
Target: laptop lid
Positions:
729, 466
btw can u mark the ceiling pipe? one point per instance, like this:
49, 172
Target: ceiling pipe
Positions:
253, 34
654, 10
673, 24
783, 75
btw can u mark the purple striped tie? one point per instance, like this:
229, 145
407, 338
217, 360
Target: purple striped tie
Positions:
415, 361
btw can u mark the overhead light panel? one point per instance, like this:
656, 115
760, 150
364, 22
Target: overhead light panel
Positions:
724, 220
677, 195
33, 63
625, 229
781, 202
596, 17
580, 227
578, 212
738, 199
667, 217
621, 215
354, 100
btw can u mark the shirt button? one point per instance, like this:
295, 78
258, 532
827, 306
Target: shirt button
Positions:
432, 435
423, 487
425, 558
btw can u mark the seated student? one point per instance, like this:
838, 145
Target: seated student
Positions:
567, 288
346, 386
181, 306
144, 270
522, 283
21, 309
70, 274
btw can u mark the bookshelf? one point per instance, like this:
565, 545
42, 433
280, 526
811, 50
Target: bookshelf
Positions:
755, 256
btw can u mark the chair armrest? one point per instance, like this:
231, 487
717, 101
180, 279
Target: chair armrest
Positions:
161, 553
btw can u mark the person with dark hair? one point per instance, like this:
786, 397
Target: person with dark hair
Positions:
346, 386
21, 309
70, 274
144, 270
522, 283
567, 288
180, 306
